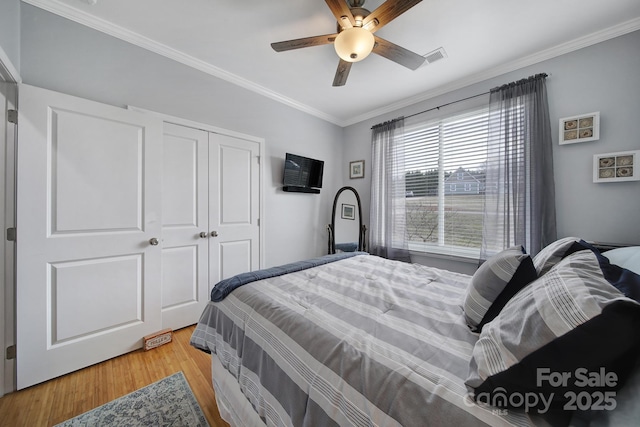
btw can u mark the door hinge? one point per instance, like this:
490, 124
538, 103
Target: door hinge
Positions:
258, 157
12, 116
11, 352
11, 234
258, 222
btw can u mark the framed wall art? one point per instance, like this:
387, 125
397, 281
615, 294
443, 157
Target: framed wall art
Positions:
616, 167
356, 169
582, 128
348, 211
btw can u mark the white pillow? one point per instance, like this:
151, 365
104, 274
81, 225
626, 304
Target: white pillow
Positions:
628, 258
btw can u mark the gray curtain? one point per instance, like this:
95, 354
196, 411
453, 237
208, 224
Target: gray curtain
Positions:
387, 236
519, 202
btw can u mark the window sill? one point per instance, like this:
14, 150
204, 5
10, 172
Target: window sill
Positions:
460, 254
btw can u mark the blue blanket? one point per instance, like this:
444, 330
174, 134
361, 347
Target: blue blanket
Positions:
226, 286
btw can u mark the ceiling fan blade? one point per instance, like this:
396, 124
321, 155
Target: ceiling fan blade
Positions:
340, 10
397, 53
342, 73
303, 42
387, 12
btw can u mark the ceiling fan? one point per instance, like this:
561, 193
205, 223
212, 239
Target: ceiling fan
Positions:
355, 40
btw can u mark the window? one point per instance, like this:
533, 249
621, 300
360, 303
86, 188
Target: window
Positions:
445, 163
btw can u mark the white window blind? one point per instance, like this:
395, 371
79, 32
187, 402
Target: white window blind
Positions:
445, 169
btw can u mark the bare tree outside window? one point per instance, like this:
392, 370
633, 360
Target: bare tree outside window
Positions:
445, 183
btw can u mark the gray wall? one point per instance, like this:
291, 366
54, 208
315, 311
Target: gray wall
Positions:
61, 55
603, 77
10, 31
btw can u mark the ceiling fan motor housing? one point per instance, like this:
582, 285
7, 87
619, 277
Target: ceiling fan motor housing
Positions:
359, 13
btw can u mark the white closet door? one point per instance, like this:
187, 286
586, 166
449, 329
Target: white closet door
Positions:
185, 228
234, 206
88, 205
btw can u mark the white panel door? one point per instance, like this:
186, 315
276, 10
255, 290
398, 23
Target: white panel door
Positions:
8, 132
234, 206
185, 228
88, 207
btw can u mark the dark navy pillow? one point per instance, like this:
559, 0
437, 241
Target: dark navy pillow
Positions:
626, 281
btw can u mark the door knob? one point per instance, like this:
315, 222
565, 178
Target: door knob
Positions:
153, 241
203, 234
214, 234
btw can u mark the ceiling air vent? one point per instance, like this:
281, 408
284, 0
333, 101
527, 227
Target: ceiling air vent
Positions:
434, 56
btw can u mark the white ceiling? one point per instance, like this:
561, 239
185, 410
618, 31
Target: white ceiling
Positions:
231, 40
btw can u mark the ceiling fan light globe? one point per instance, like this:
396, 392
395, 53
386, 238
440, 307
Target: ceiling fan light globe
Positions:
354, 44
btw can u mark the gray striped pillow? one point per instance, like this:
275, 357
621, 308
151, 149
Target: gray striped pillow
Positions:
552, 254
491, 280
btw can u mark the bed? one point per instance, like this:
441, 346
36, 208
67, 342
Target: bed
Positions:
354, 339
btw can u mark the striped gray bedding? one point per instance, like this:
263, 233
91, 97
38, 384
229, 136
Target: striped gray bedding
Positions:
363, 341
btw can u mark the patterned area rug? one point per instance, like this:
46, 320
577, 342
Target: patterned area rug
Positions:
168, 402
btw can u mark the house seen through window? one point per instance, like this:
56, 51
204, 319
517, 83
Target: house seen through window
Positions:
445, 164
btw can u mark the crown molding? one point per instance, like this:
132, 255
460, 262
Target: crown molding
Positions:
98, 24
66, 11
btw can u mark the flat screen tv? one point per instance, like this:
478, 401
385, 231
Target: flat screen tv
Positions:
302, 174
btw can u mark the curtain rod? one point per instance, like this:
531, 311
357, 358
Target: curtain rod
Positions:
447, 104
431, 109
543, 75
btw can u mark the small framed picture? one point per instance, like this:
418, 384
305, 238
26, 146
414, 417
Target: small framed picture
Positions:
616, 167
582, 128
356, 169
348, 211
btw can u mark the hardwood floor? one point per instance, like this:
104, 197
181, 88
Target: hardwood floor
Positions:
65, 397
